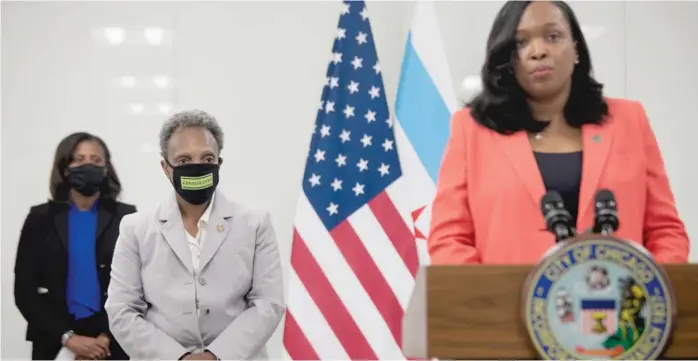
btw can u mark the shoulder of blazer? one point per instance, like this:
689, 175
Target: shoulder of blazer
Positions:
115, 207
621, 108
44, 213
124, 208
463, 119
140, 222
622, 103
255, 216
41, 209
628, 116
252, 216
471, 132
49, 208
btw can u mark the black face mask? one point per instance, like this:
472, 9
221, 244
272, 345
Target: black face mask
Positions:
86, 179
195, 182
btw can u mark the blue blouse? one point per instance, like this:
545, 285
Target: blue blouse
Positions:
83, 293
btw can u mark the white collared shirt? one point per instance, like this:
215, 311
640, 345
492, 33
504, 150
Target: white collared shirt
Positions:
197, 243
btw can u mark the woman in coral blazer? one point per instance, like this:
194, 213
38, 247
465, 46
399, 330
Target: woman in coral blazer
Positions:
541, 123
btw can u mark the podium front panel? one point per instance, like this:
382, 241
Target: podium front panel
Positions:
475, 312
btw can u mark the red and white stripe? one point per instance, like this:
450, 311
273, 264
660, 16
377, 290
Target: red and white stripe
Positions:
348, 288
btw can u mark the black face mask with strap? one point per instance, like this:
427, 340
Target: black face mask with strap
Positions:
87, 179
195, 182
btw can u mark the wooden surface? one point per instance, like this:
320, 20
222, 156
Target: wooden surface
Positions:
474, 312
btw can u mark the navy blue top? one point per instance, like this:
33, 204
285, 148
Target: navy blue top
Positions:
83, 289
562, 172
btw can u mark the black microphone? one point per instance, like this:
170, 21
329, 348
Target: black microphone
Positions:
605, 213
557, 218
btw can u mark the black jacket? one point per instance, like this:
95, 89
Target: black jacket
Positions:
41, 272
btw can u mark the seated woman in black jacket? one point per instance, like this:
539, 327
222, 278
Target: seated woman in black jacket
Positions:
63, 263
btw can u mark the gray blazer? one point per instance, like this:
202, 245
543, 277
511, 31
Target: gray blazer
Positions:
151, 298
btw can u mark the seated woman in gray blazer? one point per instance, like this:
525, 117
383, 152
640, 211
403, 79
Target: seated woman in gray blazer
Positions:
199, 276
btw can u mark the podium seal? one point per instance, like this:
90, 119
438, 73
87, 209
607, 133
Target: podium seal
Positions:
597, 297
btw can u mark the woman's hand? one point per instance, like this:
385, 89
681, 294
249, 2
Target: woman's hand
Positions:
104, 341
87, 347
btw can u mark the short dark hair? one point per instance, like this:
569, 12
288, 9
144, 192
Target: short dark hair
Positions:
501, 105
60, 189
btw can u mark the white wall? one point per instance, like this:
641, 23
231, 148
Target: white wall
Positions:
259, 67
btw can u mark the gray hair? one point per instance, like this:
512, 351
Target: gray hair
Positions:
188, 119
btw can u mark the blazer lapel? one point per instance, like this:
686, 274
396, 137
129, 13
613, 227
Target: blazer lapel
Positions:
60, 220
520, 154
104, 216
173, 231
596, 144
216, 229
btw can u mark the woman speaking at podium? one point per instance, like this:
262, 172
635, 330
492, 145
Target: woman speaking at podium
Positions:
541, 123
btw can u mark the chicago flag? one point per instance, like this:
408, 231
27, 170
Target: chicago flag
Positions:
355, 250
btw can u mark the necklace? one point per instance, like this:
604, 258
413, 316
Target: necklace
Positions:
538, 136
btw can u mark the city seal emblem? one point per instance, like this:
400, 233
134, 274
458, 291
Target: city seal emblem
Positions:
597, 297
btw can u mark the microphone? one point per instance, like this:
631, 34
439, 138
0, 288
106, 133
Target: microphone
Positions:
605, 213
557, 218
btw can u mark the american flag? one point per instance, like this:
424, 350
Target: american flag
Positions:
354, 256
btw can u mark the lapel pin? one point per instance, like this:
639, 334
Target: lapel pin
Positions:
596, 139
219, 228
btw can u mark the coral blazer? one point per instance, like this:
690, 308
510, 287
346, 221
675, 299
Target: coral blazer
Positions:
487, 204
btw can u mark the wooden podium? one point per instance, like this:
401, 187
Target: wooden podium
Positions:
475, 312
